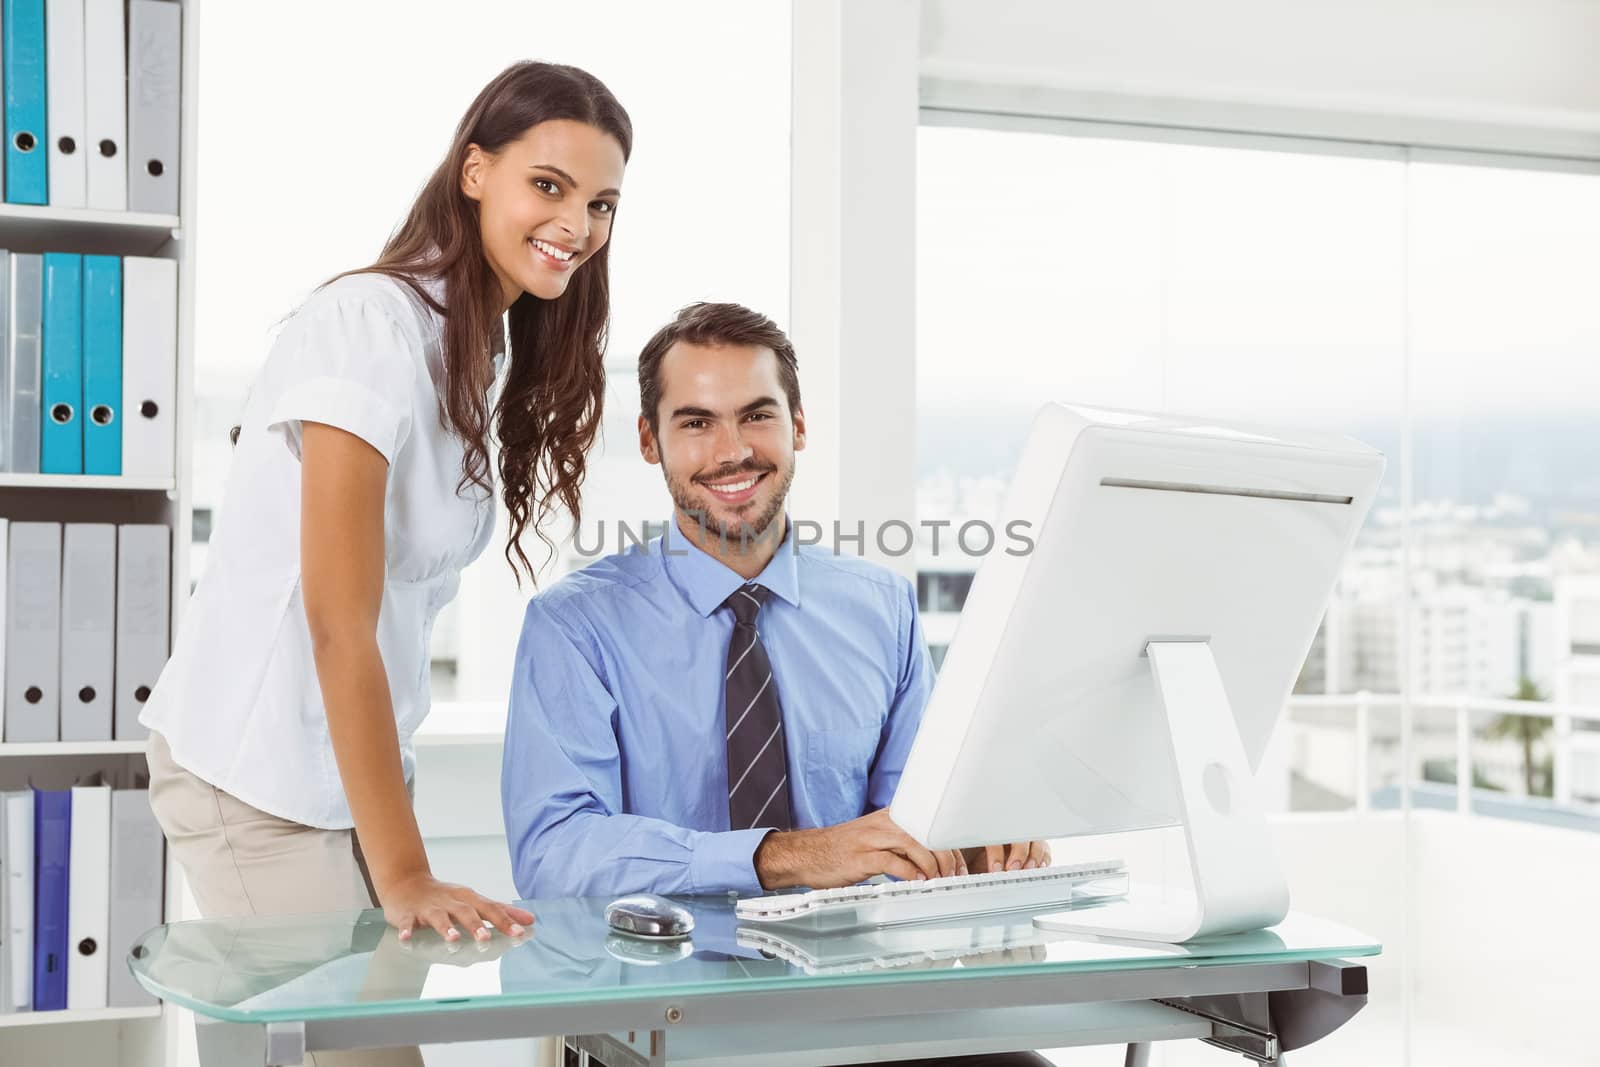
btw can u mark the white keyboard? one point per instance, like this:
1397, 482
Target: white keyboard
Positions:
887, 903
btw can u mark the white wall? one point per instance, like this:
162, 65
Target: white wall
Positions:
1472, 74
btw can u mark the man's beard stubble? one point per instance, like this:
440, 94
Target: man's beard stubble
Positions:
739, 533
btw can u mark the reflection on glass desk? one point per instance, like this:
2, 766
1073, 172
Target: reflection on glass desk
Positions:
270, 990
348, 965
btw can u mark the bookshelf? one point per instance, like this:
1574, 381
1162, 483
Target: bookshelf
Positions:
68, 1018
72, 748
141, 1036
26, 228
87, 481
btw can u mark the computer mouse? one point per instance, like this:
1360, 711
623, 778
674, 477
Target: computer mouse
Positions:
650, 916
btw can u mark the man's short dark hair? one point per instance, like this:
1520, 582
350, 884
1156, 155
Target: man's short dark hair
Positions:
715, 324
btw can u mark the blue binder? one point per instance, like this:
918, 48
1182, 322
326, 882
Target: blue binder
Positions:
102, 365
27, 167
52, 844
61, 438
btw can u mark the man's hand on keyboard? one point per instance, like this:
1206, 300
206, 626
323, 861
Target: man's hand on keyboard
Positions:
1018, 856
849, 853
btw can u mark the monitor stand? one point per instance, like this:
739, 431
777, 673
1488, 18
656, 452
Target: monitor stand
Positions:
1237, 883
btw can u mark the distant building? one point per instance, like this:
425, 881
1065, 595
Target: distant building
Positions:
1577, 633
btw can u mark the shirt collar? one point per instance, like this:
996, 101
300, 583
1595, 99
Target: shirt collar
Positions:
708, 582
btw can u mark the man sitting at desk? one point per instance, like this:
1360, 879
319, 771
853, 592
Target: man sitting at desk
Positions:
724, 708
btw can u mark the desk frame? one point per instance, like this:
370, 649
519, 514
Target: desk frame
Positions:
1257, 1009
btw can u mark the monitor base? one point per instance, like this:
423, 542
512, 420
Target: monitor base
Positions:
1237, 883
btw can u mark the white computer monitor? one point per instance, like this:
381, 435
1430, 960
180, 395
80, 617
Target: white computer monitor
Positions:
1126, 672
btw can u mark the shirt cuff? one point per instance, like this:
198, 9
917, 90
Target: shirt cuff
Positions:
726, 861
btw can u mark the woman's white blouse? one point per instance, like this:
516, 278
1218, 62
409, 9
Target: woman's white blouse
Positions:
239, 701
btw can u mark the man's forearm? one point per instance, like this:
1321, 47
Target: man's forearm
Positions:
595, 853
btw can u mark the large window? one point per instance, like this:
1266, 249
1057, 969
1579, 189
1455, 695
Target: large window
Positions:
1442, 313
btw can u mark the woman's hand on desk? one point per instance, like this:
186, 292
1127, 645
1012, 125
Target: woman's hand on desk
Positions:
420, 900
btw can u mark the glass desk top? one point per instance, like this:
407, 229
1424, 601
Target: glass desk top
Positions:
346, 964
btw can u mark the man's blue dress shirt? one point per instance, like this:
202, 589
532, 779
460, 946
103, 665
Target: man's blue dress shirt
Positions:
615, 777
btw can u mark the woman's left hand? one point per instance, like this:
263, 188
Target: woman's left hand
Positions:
422, 900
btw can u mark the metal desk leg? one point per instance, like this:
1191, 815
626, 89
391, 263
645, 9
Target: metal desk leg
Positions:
221, 1044
1138, 1054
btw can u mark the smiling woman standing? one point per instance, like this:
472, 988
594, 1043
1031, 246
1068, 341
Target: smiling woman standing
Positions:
280, 752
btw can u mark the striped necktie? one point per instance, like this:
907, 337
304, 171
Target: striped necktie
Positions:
758, 774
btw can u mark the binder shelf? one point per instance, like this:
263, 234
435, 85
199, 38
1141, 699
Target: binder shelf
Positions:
86, 481
25, 228
93, 1015
71, 748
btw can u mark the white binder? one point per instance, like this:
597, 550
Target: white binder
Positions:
89, 897
25, 306
33, 632
137, 872
88, 630
18, 959
105, 104
5, 375
149, 366
64, 88
5, 555
154, 50
144, 591
5, 923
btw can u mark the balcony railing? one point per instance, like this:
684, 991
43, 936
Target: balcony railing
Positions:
1347, 752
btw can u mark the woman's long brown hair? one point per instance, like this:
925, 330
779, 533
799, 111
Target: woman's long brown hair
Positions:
548, 413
